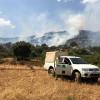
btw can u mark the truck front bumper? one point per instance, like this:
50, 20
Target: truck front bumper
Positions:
90, 74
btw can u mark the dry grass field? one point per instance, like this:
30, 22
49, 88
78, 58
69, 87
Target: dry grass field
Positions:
21, 83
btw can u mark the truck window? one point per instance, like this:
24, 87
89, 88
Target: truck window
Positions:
78, 61
67, 61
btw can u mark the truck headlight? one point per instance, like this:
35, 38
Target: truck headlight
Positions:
85, 69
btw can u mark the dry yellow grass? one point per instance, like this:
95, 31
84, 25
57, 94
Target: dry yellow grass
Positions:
37, 85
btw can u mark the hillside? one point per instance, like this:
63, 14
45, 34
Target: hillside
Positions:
46, 38
26, 84
85, 38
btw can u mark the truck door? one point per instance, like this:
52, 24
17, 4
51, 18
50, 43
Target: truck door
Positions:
63, 67
68, 64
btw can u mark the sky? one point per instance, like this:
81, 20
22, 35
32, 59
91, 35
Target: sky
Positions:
36, 17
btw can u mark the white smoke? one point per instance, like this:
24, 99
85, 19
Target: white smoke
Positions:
75, 23
57, 40
72, 23
92, 16
38, 24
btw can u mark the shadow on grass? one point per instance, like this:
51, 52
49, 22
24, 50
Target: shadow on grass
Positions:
84, 81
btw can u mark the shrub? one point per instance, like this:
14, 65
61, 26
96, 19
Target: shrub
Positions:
22, 50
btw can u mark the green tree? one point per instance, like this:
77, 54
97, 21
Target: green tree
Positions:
73, 44
22, 50
34, 54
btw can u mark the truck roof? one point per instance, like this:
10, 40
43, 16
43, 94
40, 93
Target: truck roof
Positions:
69, 57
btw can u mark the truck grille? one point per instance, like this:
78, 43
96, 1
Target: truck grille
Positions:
94, 75
94, 69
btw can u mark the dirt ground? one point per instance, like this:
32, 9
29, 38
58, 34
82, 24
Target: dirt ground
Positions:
22, 83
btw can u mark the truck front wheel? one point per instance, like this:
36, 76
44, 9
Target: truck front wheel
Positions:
77, 77
51, 71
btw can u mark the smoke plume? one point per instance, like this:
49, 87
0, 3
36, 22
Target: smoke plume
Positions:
72, 23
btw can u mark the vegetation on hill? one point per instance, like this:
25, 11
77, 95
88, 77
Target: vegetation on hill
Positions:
23, 50
91, 55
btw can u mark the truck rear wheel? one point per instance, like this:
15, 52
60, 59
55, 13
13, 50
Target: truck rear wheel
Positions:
51, 71
77, 77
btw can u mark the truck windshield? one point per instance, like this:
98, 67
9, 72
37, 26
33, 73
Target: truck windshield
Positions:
78, 61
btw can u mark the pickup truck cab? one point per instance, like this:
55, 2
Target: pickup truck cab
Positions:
72, 66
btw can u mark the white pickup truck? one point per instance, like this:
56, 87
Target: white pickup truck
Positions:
58, 63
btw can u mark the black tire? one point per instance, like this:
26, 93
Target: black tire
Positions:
77, 77
51, 71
